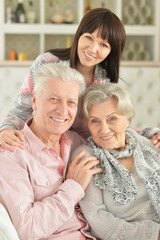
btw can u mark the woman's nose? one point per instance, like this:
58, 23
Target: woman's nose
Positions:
94, 47
105, 128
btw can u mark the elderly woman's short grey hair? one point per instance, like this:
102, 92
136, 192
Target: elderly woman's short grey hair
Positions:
50, 70
101, 93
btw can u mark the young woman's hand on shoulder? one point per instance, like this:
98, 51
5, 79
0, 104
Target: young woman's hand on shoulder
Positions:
11, 138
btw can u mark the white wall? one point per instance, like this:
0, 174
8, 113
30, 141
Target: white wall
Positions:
143, 84
11, 79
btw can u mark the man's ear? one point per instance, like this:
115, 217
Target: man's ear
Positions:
34, 101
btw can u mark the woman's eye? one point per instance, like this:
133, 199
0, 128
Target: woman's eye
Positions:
94, 121
88, 37
112, 119
105, 45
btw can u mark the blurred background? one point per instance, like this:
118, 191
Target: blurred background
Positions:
46, 24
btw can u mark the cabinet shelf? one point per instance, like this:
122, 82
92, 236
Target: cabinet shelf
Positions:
146, 30
60, 28
60, 35
15, 28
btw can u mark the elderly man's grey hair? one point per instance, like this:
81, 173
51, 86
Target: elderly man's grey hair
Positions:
101, 93
50, 70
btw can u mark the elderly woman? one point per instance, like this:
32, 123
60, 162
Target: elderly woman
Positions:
122, 202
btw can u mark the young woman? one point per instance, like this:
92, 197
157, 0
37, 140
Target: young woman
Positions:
122, 202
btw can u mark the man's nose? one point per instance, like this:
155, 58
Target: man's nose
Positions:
63, 107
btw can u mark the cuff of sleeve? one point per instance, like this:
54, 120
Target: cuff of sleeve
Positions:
154, 131
73, 189
1, 129
149, 132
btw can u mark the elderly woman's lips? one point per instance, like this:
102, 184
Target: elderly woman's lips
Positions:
107, 137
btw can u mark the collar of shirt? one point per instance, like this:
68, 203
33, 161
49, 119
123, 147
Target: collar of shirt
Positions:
36, 144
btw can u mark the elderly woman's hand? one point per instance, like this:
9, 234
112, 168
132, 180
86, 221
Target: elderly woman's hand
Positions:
156, 139
81, 169
10, 138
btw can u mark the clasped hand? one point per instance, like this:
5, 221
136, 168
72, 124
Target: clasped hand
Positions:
81, 169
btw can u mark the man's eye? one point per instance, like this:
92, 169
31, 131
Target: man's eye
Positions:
54, 99
72, 103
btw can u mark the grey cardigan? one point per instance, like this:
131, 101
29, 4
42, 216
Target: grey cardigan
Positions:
108, 221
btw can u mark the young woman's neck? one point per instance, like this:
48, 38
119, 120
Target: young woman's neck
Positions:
87, 72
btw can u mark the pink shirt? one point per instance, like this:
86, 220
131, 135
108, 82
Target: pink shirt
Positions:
41, 203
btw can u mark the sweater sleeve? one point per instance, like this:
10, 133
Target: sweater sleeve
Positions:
22, 106
104, 225
148, 132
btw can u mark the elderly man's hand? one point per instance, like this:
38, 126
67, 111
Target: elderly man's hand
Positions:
10, 138
82, 169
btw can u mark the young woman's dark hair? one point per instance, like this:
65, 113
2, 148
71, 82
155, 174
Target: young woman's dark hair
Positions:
110, 28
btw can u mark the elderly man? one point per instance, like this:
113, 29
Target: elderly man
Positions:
34, 187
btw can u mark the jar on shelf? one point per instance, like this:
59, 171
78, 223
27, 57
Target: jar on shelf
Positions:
88, 7
57, 16
12, 55
31, 14
68, 13
22, 56
10, 15
20, 12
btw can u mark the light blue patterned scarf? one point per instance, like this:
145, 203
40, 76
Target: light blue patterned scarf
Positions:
119, 181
